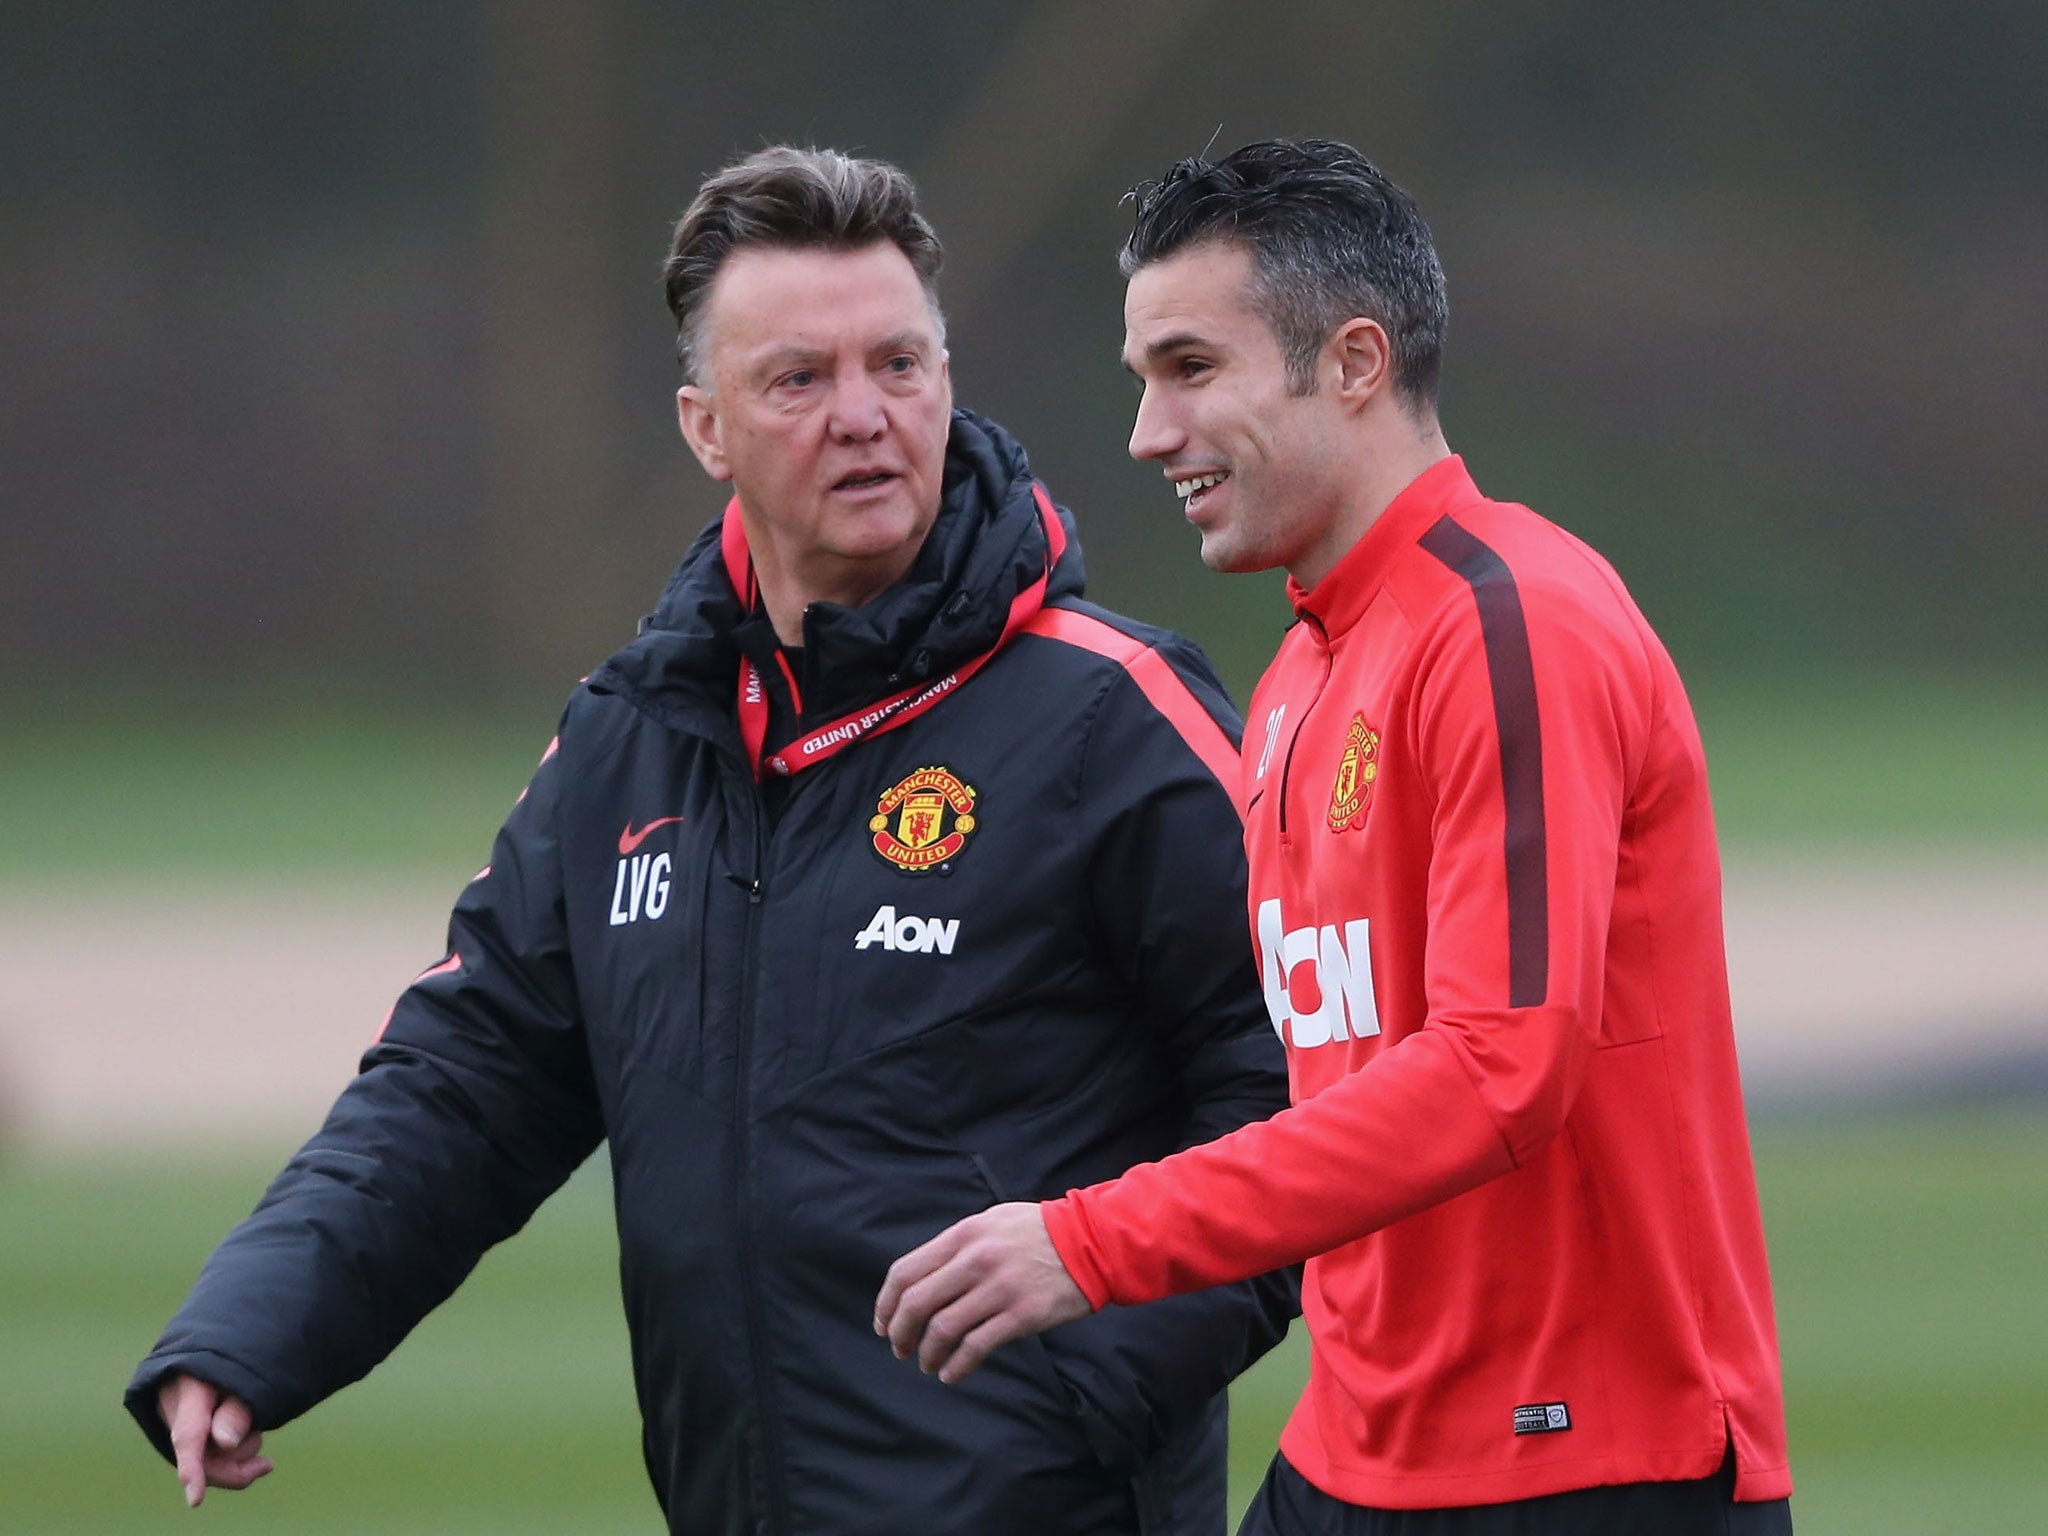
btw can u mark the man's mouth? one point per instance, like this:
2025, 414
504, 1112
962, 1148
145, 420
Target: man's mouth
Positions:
1194, 488
863, 480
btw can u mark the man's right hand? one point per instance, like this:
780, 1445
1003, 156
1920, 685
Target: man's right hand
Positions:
211, 1436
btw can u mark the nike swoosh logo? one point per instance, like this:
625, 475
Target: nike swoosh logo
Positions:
629, 839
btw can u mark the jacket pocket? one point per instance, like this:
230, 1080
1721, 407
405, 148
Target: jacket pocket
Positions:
1118, 1446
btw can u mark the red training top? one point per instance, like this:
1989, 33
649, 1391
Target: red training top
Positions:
1487, 905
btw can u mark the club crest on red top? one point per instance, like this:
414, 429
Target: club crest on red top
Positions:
1357, 771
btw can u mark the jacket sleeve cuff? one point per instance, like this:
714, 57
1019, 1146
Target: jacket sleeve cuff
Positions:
224, 1374
1072, 1241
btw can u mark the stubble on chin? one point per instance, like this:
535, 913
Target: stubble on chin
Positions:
1228, 557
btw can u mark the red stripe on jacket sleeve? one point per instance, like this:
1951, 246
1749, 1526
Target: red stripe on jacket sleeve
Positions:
452, 963
1155, 678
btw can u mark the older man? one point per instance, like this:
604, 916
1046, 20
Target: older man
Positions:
880, 879
1485, 900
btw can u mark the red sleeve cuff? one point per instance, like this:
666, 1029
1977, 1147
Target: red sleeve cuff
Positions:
1071, 1239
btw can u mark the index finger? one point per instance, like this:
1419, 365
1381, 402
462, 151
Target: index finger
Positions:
188, 1414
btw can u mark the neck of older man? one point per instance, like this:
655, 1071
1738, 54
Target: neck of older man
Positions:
789, 585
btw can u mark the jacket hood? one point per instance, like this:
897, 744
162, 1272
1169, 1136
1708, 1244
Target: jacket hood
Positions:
986, 546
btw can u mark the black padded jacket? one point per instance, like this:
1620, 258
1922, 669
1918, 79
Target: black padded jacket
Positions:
995, 950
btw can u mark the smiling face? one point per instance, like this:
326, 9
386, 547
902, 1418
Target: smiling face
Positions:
1264, 474
826, 403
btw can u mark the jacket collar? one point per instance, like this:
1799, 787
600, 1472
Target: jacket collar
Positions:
1340, 599
986, 546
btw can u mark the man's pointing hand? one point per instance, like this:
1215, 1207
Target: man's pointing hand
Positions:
211, 1435
976, 1286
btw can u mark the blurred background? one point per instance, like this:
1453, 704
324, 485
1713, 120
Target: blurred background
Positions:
337, 442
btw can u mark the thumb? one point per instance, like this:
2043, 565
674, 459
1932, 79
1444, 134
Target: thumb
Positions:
230, 1423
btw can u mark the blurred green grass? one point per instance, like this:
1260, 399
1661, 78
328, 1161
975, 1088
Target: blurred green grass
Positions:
282, 786
1908, 1252
96, 785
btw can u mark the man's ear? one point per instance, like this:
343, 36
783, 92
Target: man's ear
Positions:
697, 415
1363, 359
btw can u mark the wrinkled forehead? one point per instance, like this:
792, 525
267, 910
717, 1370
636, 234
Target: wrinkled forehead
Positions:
811, 296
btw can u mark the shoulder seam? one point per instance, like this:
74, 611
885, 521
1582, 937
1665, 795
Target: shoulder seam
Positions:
1163, 687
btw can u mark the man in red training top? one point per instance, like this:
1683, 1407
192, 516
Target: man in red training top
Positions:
1486, 904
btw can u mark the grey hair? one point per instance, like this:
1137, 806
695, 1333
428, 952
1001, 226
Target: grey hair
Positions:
793, 198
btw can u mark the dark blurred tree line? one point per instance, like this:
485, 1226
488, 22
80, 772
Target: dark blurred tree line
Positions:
332, 346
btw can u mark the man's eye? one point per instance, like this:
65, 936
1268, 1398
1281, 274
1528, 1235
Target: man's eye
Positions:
803, 378
1192, 367
902, 363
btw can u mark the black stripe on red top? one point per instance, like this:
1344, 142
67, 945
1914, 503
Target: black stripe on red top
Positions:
1506, 634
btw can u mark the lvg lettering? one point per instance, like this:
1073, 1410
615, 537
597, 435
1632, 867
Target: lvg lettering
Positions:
641, 888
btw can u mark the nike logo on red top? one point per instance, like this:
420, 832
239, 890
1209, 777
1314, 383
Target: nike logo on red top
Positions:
629, 839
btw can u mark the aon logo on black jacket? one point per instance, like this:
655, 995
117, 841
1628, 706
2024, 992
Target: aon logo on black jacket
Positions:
919, 935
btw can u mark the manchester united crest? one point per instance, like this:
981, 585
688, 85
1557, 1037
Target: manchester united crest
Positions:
922, 821
1357, 770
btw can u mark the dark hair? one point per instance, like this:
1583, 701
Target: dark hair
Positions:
784, 196
1331, 239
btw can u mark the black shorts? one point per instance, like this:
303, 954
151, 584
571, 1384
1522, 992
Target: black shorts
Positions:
1288, 1504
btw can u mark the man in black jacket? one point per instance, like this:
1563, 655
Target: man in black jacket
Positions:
879, 880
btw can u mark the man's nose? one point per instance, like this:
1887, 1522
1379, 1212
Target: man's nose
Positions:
1154, 434
857, 410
